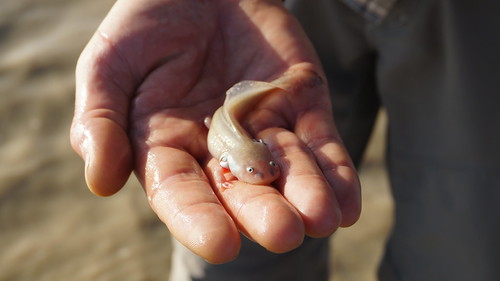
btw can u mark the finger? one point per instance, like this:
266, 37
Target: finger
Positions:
316, 129
99, 128
314, 126
181, 196
303, 184
260, 212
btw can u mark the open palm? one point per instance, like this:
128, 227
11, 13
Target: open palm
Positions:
155, 69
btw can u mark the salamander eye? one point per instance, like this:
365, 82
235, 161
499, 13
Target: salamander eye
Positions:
272, 163
250, 169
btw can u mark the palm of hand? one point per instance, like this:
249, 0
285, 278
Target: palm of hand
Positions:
143, 93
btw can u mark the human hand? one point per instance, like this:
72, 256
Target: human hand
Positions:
155, 69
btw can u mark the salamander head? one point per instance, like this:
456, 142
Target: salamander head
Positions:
253, 164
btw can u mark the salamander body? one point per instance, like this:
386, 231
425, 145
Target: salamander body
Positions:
248, 159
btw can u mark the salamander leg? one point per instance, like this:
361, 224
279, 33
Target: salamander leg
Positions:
207, 121
222, 178
223, 161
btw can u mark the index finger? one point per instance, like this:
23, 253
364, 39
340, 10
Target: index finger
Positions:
315, 127
316, 151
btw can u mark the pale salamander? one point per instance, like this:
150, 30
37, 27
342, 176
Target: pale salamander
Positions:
248, 159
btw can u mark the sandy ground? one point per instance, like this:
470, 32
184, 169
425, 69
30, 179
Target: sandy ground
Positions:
51, 226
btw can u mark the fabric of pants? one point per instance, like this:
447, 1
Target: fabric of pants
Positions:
309, 262
434, 65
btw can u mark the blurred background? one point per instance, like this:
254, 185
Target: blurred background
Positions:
51, 226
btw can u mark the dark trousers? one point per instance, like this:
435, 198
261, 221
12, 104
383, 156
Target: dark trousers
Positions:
435, 67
